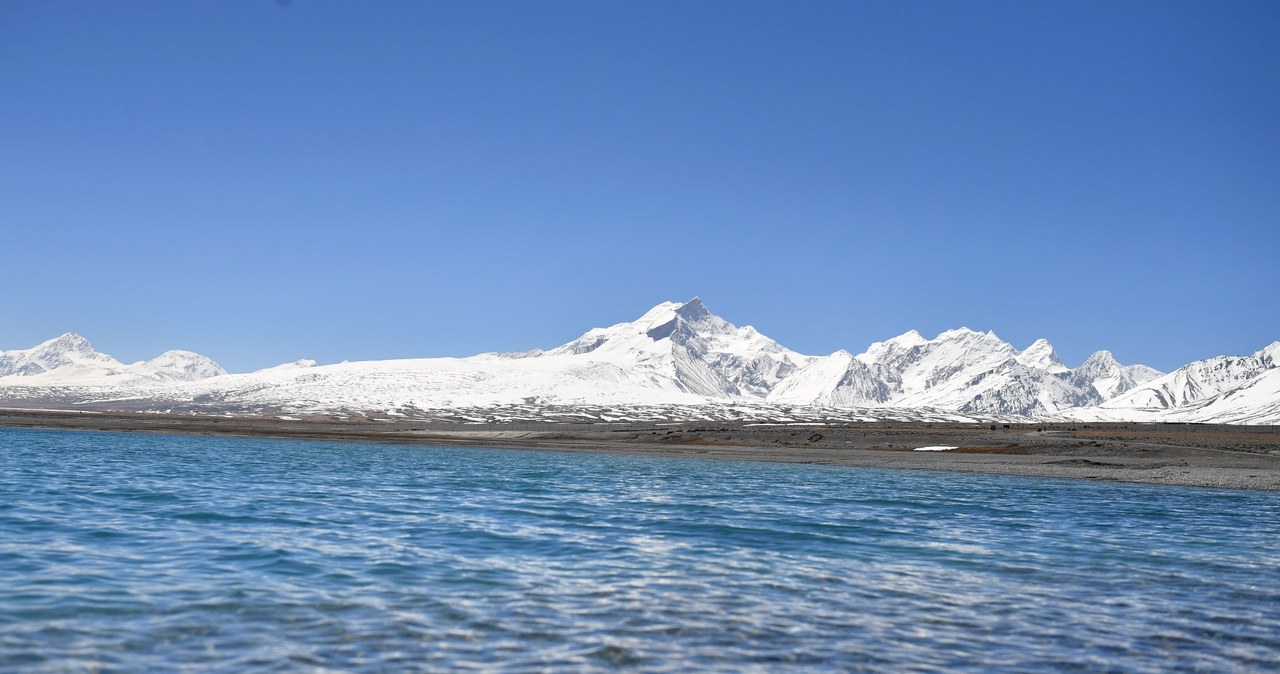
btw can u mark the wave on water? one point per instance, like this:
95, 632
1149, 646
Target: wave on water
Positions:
146, 552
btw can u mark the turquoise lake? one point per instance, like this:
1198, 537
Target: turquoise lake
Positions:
124, 552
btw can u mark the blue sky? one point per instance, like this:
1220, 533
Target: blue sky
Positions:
341, 180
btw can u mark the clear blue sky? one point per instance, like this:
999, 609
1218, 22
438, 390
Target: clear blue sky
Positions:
353, 180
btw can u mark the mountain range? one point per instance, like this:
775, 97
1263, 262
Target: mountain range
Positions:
679, 356
71, 360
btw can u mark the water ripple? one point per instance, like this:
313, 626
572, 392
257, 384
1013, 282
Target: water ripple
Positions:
135, 552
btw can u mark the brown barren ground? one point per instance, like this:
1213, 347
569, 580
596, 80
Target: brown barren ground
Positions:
1239, 457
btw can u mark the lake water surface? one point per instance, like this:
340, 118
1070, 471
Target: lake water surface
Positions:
122, 552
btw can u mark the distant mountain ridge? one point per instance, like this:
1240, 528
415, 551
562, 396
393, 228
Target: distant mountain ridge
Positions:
70, 359
682, 354
963, 370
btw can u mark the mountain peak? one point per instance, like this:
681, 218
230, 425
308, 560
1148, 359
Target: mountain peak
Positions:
964, 334
892, 347
65, 342
1100, 357
1041, 356
907, 339
693, 310
178, 365
660, 313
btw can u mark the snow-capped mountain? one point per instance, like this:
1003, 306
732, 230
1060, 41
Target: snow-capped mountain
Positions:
680, 355
1224, 389
1256, 401
979, 373
688, 348
1200, 380
838, 380
176, 366
1109, 378
70, 353
947, 371
938, 369
71, 360
675, 354
1042, 356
